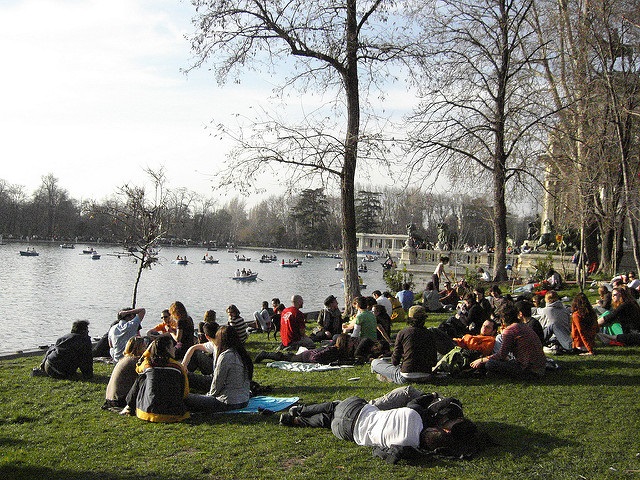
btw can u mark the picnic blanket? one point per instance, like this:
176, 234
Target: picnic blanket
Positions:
273, 404
305, 367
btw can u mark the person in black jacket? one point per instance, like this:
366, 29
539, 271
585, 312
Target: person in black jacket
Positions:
414, 353
70, 353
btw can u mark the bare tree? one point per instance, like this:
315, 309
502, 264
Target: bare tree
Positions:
582, 58
141, 221
338, 48
481, 108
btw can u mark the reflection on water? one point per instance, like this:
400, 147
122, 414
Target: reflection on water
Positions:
41, 296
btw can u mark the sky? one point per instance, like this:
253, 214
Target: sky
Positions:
92, 91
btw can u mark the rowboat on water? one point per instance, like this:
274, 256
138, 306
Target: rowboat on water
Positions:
88, 251
181, 262
339, 267
246, 278
95, 256
210, 260
29, 253
67, 245
242, 258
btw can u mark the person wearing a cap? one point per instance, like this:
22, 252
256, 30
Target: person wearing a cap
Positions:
414, 353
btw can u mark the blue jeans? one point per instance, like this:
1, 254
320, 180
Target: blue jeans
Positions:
386, 369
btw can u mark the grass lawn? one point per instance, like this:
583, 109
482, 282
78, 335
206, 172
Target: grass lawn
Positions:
581, 422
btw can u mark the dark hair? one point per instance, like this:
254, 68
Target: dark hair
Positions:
471, 298
276, 300
586, 315
507, 313
329, 300
376, 292
124, 313
280, 307
159, 353
363, 303
265, 304
495, 289
210, 329
80, 326
227, 337
371, 302
524, 308
431, 286
480, 290
232, 309
406, 286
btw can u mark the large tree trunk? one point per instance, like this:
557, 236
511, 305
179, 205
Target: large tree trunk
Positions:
347, 190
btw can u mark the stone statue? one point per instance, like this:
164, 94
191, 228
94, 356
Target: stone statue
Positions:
547, 238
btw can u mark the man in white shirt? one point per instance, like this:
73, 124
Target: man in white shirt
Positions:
384, 301
129, 323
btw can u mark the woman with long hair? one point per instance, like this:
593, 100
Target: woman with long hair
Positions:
185, 330
626, 312
124, 374
232, 375
162, 386
584, 325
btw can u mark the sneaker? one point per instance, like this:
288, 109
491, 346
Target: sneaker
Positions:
286, 420
38, 372
295, 410
261, 356
553, 350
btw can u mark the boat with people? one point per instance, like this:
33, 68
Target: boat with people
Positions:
309, 255
95, 256
246, 277
29, 252
291, 263
369, 258
67, 245
88, 251
181, 260
362, 268
268, 258
209, 259
339, 266
242, 258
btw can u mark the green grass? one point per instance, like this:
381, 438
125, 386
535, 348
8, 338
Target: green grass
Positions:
579, 422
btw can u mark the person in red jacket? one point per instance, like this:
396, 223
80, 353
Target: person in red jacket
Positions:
292, 326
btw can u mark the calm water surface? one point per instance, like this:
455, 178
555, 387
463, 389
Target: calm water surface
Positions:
41, 296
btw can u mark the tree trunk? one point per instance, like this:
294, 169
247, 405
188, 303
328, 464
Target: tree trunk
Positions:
347, 187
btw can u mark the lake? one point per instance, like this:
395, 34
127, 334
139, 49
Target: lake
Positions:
43, 295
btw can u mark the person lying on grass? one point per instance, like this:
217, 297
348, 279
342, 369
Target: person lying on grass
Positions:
405, 418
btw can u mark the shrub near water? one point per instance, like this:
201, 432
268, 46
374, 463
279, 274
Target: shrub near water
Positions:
579, 422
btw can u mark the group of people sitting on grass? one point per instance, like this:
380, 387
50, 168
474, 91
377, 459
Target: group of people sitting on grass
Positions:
156, 371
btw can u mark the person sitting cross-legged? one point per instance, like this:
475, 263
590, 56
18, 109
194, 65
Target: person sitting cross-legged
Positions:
520, 353
414, 353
